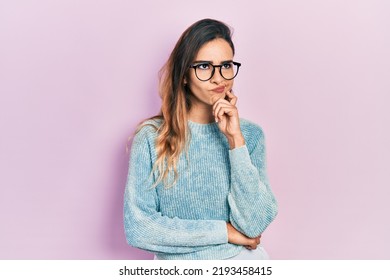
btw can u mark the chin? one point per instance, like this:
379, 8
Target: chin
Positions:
217, 96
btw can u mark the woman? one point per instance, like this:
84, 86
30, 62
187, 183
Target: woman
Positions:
197, 186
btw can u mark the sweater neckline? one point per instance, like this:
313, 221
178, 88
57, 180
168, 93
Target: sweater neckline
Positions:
203, 128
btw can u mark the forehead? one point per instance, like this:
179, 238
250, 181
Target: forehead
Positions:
215, 51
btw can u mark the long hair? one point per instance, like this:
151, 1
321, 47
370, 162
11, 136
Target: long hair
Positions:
173, 133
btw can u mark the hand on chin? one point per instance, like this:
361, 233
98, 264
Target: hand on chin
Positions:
216, 97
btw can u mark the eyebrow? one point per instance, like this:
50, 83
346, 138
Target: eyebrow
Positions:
209, 61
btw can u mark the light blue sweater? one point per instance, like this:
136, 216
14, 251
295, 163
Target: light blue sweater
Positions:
188, 220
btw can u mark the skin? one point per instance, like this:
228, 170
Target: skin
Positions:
209, 106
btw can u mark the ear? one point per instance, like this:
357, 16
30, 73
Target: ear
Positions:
185, 81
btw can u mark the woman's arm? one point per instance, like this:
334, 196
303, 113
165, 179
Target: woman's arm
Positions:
236, 237
252, 203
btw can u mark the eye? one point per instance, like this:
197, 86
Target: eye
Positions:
203, 66
227, 65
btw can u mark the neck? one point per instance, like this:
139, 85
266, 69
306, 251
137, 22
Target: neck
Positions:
201, 114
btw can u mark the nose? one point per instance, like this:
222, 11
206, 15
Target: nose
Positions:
217, 77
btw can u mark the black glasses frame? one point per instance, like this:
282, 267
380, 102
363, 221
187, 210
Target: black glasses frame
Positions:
213, 71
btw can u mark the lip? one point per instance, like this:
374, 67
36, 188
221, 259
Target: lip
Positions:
219, 89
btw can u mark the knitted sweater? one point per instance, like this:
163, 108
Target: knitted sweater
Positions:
216, 185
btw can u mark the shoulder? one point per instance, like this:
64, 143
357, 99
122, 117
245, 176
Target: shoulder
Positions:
146, 132
252, 132
148, 127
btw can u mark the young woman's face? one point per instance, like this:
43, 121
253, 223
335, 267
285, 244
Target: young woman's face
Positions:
216, 52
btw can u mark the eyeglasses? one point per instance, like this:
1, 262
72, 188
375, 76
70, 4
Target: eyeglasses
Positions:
204, 71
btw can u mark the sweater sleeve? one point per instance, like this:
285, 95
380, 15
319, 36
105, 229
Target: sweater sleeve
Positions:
252, 204
145, 227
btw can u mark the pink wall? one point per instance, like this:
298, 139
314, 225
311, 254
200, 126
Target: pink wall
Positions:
77, 76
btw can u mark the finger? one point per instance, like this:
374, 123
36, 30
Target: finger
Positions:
214, 99
216, 107
220, 101
221, 111
223, 107
252, 244
232, 97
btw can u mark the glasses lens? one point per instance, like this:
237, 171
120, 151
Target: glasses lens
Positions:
204, 71
229, 70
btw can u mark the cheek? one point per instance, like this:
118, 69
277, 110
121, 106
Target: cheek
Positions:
192, 79
196, 85
229, 85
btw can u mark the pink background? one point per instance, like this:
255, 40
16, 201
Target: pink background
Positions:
77, 76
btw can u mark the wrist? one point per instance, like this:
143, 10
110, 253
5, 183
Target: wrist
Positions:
236, 141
